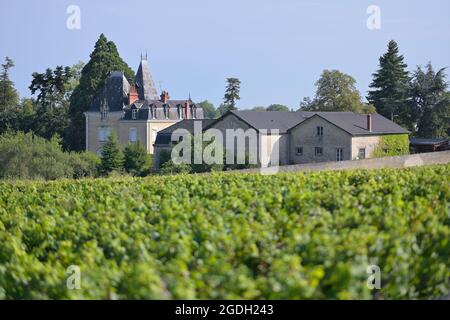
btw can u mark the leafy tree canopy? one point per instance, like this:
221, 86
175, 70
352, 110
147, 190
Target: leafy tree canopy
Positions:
336, 91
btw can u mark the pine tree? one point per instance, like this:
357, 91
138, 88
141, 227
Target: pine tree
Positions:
136, 159
232, 93
104, 59
390, 85
9, 98
112, 157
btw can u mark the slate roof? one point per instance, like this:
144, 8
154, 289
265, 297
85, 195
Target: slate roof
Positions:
113, 95
164, 136
422, 141
280, 120
156, 109
354, 124
144, 82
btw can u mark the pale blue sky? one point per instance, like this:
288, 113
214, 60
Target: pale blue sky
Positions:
278, 48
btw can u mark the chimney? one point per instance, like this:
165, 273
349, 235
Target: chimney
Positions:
369, 122
186, 109
164, 96
132, 95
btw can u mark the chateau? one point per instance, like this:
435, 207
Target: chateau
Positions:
134, 111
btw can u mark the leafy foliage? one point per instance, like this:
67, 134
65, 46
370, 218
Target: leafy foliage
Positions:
136, 160
229, 236
9, 98
104, 59
336, 91
430, 103
209, 111
112, 155
392, 145
27, 156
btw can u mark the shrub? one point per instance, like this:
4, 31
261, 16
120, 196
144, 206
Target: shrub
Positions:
136, 160
26, 156
84, 164
392, 145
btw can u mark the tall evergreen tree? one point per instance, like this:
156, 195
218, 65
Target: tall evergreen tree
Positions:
232, 92
430, 103
112, 156
9, 98
104, 59
390, 85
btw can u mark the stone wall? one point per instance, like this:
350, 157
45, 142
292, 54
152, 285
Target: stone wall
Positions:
414, 160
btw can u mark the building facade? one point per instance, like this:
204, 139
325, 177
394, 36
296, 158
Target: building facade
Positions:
304, 137
133, 111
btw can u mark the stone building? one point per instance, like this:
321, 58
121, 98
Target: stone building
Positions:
133, 111
303, 137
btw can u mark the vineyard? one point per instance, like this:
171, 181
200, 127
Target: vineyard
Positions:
229, 236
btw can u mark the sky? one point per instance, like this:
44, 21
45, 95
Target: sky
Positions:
277, 48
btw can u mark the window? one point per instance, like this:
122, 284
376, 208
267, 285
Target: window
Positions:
103, 133
339, 154
320, 131
318, 151
133, 134
362, 153
299, 151
134, 114
104, 114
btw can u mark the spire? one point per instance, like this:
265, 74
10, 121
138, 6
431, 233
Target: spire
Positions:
144, 82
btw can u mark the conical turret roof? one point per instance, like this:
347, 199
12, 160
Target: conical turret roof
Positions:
144, 82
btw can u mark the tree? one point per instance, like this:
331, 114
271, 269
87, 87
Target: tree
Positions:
112, 157
258, 108
277, 107
232, 93
53, 89
136, 159
429, 103
104, 59
209, 111
28, 156
9, 98
390, 84
336, 91
222, 109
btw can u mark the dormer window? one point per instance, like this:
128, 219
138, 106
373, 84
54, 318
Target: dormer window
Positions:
180, 112
104, 114
134, 114
103, 110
